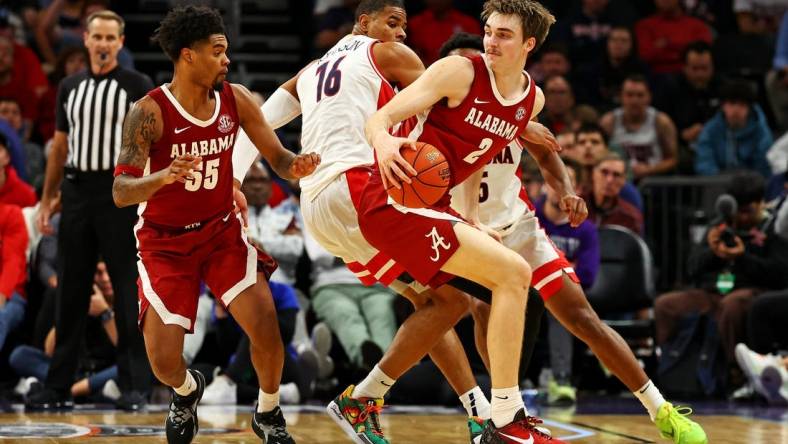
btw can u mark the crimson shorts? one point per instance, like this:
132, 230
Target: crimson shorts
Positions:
419, 239
173, 262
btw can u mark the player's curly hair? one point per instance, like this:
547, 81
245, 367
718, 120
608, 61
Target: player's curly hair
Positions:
184, 26
535, 18
369, 7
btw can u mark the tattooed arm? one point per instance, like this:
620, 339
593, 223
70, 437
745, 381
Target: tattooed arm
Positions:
141, 128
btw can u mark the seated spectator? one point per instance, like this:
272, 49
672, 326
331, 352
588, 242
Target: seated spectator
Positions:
590, 146
581, 247
767, 372
13, 269
695, 95
361, 317
733, 266
737, 137
12, 190
777, 79
11, 112
17, 83
605, 207
336, 23
277, 230
759, 16
559, 103
585, 32
97, 373
647, 136
237, 383
717, 14
435, 25
553, 61
663, 36
620, 61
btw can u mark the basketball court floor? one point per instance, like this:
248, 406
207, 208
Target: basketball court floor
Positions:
604, 420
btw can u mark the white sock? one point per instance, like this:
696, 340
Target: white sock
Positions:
375, 385
650, 397
506, 402
188, 386
267, 401
475, 403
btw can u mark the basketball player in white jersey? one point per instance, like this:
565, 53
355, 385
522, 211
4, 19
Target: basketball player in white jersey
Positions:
505, 207
336, 94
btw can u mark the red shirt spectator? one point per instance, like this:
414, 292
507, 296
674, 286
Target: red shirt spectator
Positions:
13, 247
13, 191
430, 29
663, 36
19, 77
605, 207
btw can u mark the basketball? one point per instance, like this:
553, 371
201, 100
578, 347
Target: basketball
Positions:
431, 180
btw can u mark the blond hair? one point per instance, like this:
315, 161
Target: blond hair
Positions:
106, 14
535, 18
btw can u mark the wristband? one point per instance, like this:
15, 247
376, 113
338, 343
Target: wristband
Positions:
128, 169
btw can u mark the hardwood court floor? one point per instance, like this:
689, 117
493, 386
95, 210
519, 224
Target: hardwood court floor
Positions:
404, 426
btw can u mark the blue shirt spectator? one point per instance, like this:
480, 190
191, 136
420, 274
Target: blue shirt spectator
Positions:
737, 137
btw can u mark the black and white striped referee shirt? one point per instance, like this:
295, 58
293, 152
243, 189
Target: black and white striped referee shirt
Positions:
91, 109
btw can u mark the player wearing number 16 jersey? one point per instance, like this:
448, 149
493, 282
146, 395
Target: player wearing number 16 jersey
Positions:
176, 162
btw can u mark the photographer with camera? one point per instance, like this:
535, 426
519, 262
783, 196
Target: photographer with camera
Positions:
741, 258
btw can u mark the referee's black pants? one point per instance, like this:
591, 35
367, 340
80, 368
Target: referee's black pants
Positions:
91, 226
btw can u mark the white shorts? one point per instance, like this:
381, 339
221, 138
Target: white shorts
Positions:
332, 219
548, 263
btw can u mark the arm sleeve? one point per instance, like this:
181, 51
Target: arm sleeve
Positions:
280, 108
14, 246
769, 269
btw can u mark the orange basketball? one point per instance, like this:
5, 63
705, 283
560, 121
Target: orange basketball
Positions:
431, 181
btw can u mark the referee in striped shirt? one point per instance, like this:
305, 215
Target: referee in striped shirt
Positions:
91, 106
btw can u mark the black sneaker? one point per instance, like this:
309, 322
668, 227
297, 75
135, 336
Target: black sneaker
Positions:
132, 401
271, 427
47, 399
182, 424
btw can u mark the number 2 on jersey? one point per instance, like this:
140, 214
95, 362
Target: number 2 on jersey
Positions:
332, 81
485, 145
208, 181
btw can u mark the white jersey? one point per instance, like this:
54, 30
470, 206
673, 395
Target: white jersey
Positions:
338, 93
502, 199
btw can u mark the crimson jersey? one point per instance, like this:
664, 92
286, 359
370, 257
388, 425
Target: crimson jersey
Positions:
471, 134
210, 192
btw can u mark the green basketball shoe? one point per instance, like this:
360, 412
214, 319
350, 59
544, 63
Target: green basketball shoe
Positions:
358, 417
673, 423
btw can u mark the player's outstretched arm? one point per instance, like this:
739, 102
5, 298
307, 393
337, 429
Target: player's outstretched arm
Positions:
284, 162
554, 172
279, 109
448, 78
141, 128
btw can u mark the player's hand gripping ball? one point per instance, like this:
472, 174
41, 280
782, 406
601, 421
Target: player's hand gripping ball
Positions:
431, 181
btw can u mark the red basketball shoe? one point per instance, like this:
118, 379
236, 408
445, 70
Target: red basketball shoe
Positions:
522, 430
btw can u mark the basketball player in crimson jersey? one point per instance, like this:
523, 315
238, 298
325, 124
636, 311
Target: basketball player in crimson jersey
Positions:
504, 206
176, 162
365, 67
476, 106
